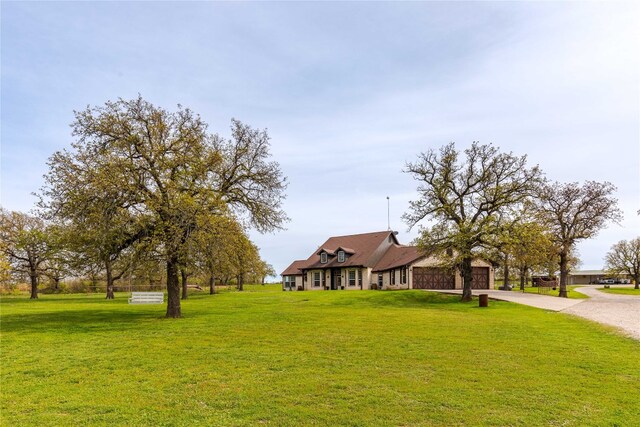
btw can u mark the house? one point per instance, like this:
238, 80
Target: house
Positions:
376, 261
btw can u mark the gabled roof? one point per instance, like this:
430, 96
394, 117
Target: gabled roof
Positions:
397, 256
361, 247
294, 268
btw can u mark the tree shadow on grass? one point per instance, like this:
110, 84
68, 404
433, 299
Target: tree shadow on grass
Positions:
80, 321
403, 299
61, 298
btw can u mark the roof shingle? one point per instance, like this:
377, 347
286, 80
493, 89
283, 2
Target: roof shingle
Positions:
397, 256
294, 268
363, 249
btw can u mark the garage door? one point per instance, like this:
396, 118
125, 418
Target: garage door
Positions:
480, 278
433, 278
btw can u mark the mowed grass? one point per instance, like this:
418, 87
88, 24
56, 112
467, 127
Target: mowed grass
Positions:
621, 291
571, 292
361, 358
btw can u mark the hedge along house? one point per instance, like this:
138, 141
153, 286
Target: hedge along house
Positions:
376, 261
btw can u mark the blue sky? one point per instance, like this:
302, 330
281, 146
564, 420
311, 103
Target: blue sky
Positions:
348, 91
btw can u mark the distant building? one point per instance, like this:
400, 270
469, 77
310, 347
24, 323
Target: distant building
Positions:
376, 261
583, 277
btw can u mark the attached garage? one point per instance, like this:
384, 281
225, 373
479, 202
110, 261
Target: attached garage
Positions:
480, 278
433, 278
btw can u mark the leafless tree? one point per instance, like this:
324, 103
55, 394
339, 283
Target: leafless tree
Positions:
468, 200
624, 257
573, 212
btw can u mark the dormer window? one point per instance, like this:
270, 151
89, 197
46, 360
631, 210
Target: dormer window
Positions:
323, 258
340, 256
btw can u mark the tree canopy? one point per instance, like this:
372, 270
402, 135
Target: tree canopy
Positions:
574, 212
161, 171
467, 197
26, 245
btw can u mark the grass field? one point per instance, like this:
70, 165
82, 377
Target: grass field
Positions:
404, 358
621, 291
572, 293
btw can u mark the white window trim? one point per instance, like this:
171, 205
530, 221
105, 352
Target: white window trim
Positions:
319, 279
355, 278
341, 256
323, 258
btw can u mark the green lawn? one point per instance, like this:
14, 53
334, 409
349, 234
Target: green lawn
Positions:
572, 293
404, 358
621, 291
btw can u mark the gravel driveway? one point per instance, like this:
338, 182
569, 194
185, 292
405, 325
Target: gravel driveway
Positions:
620, 311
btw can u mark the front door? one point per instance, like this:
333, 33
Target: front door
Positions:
336, 280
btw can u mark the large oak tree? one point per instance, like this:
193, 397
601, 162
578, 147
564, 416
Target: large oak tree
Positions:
467, 197
574, 212
166, 170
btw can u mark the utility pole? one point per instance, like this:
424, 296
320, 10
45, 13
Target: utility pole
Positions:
388, 216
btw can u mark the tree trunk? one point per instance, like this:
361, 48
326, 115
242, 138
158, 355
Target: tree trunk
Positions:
173, 288
563, 274
523, 278
56, 283
506, 271
185, 293
467, 278
636, 278
110, 295
241, 282
212, 285
33, 276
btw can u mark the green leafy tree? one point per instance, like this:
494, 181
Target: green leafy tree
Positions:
624, 258
573, 212
467, 199
265, 270
25, 245
5, 265
530, 247
247, 260
167, 171
216, 242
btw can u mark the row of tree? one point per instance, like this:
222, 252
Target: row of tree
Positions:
486, 203
140, 181
32, 248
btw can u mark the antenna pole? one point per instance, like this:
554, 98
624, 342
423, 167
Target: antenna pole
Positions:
388, 216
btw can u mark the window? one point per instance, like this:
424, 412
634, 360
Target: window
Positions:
404, 275
323, 258
379, 280
392, 277
316, 279
360, 278
352, 277
340, 256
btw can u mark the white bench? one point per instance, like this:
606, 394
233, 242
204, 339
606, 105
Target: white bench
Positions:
146, 298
